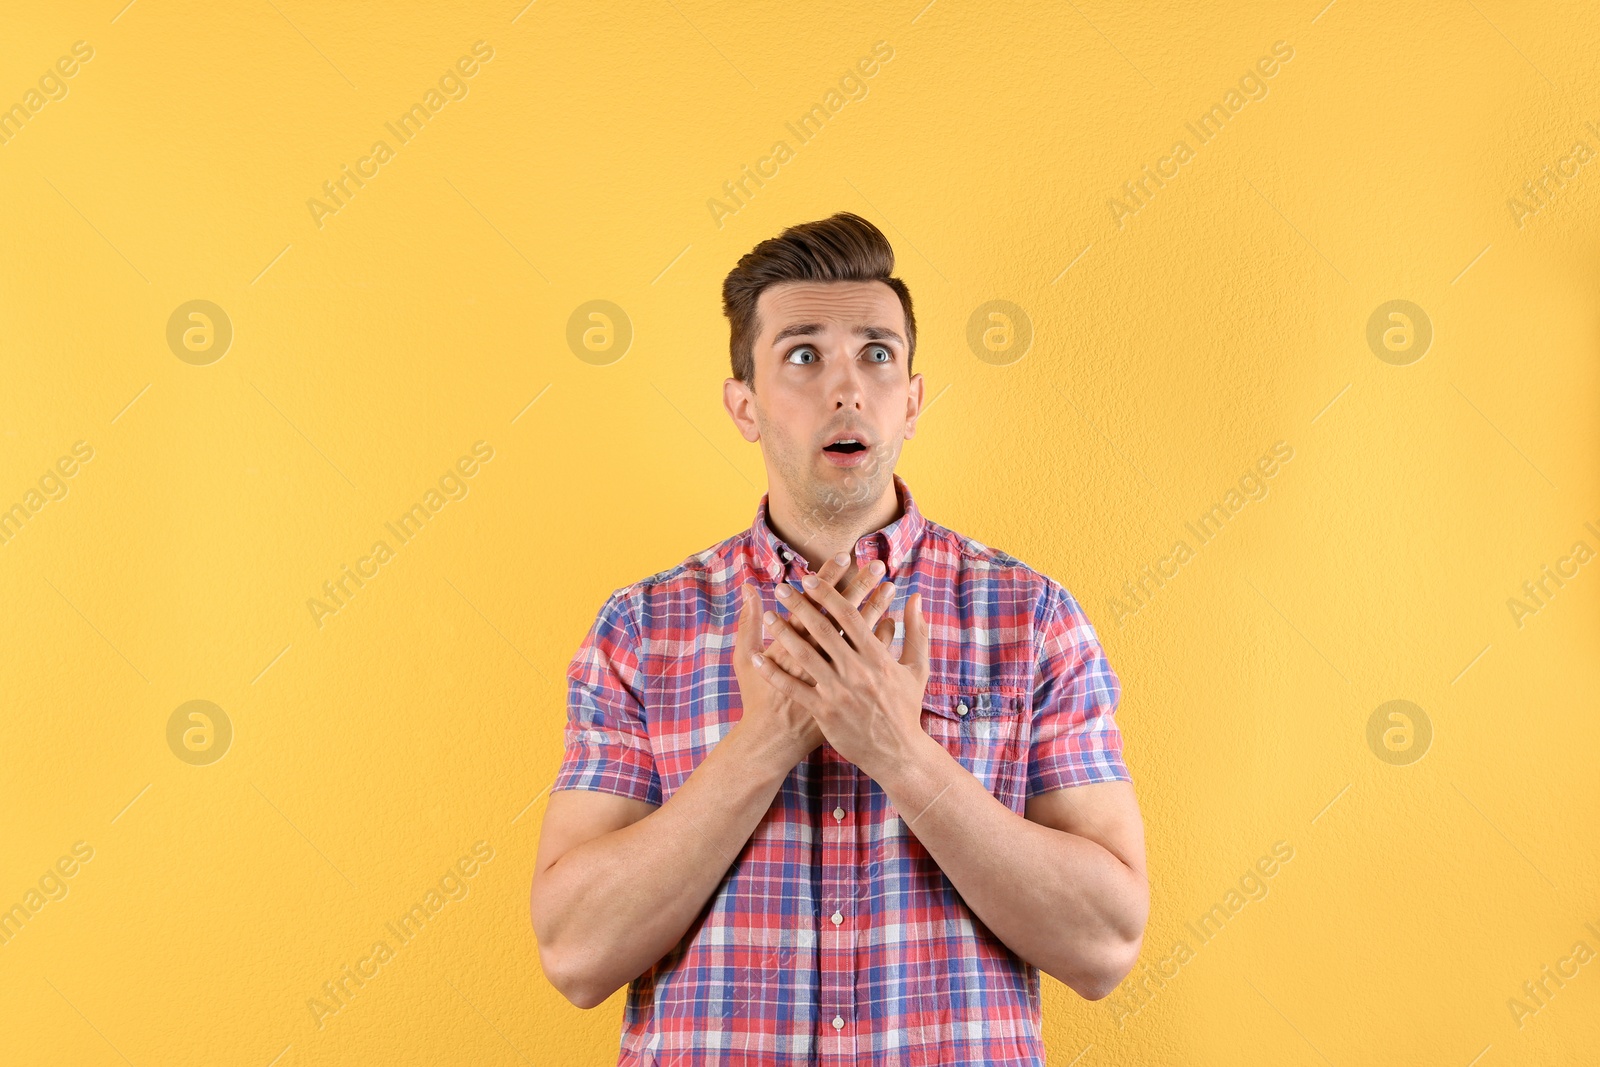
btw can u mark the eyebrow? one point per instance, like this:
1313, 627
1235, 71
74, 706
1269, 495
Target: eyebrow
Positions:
872, 333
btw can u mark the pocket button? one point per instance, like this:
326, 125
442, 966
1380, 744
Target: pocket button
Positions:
961, 709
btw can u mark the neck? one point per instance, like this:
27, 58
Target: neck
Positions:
821, 529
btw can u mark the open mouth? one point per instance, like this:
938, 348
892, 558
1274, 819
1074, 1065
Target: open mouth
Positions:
846, 452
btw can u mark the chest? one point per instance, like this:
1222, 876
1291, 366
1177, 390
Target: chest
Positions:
977, 703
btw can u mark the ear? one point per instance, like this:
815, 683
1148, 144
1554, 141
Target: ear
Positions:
741, 404
913, 406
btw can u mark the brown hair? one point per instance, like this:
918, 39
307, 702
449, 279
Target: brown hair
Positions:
842, 248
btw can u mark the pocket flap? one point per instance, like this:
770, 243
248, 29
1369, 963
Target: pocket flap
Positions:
966, 705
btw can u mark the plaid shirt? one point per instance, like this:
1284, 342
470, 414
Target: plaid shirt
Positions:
834, 938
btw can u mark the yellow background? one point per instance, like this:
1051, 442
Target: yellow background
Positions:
1230, 312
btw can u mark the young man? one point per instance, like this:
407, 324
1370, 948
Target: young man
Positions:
862, 840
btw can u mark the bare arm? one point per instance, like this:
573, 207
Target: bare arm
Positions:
1063, 887
1073, 902
608, 902
618, 882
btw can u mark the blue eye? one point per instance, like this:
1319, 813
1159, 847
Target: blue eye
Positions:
799, 348
887, 353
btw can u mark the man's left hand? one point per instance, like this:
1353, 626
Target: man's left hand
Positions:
867, 703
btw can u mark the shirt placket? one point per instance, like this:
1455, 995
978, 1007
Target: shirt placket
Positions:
836, 987
836, 1036
838, 909
842, 893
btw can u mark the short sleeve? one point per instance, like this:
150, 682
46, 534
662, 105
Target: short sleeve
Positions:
607, 742
1075, 736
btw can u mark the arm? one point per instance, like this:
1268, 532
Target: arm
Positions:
1063, 887
617, 881
1064, 884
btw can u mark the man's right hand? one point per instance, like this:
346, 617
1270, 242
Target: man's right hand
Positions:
768, 712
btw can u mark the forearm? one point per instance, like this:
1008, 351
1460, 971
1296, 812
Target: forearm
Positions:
1060, 901
611, 907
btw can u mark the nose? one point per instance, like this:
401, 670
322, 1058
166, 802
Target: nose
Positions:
845, 384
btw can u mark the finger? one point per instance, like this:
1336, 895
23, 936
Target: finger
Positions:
884, 631
862, 580
803, 611
788, 596
854, 583
776, 651
915, 652
784, 682
747, 638
877, 603
843, 613
800, 651
832, 572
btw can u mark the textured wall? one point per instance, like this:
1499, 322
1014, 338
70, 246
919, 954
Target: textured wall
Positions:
190, 475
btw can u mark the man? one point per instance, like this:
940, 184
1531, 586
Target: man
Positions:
822, 848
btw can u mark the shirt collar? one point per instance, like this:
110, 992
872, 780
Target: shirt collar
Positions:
900, 536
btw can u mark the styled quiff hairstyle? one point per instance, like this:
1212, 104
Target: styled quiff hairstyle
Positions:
842, 248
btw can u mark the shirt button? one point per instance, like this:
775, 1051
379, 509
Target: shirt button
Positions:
837, 918
788, 555
961, 709
838, 814
838, 1023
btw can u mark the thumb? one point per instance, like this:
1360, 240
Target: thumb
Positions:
914, 653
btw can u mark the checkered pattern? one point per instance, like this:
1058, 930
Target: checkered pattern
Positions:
835, 938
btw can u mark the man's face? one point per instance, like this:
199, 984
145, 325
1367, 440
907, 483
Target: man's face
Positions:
830, 362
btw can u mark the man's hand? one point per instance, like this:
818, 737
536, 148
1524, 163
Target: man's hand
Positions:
767, 710
867, 705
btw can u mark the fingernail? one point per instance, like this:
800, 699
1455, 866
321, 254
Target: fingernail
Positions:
877, 566
757, 659
785, 592
809, 581
842, 558
770, 617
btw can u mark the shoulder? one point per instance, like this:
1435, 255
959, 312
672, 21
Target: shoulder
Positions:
701, 588
972, 562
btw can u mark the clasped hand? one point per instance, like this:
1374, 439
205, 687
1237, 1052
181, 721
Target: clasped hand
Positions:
866, 702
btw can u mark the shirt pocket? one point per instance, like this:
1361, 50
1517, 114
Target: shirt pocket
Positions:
986, 729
